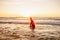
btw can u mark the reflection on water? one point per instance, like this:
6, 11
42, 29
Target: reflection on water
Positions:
44, 21
22, 32
40, 27
45, 30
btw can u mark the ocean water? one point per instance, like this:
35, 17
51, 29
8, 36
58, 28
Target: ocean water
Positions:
43, 23
18, 29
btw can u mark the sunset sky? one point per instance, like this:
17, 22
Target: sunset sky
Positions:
26, 8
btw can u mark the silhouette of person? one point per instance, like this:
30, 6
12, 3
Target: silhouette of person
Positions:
32, 24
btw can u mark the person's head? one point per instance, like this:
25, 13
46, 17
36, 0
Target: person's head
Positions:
31, 19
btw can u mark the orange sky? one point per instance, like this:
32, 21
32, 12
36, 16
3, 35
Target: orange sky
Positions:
26, 8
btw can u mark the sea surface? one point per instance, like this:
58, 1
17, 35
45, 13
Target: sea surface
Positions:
18, 29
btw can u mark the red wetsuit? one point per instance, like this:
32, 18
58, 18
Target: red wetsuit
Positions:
32, 23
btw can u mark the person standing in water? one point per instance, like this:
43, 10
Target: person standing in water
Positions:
32, 24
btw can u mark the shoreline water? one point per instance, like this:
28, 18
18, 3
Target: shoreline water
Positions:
13, 31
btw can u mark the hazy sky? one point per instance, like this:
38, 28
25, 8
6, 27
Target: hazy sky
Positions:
30, 7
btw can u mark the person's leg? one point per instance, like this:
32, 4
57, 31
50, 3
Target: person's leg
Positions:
32, 30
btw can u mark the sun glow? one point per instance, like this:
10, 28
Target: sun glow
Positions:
27, 8
26, 13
